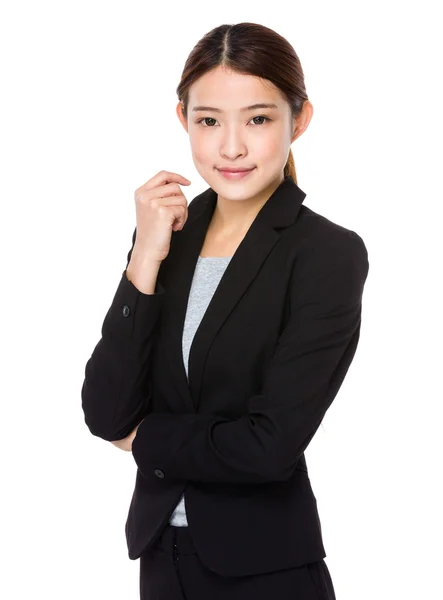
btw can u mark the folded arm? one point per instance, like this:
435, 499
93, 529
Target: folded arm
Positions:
309, 364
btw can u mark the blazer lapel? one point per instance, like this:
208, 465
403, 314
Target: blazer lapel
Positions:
280, 211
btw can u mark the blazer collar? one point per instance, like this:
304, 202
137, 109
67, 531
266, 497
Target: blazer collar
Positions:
279, 211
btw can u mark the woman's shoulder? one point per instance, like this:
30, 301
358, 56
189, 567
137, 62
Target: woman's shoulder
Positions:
314, 230
319, 247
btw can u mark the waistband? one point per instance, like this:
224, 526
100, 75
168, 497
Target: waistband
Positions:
178, 536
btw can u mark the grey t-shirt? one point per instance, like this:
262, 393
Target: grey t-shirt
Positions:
208, 272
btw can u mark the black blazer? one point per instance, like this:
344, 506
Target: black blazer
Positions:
266, 362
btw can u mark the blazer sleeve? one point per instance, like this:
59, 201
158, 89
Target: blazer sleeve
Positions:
115, 391
312, 356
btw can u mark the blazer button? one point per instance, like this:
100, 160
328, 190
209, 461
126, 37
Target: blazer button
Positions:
159, 473
126, 311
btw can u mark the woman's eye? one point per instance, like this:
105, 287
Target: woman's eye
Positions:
261, 117
204, 119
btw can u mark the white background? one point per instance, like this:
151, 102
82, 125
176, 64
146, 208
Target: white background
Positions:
87, 116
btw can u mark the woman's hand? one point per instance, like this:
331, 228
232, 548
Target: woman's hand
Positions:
161, 208
126, 443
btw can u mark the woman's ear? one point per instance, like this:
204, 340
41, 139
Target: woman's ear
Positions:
303, 119
181, 116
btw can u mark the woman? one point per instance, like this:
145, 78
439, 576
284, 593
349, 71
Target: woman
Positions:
269, 294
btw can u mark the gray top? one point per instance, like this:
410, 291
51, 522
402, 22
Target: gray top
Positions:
208, 272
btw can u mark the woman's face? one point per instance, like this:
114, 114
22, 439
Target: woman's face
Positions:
236, 137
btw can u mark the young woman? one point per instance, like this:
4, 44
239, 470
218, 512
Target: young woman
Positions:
229, 336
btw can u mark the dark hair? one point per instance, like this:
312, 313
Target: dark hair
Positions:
251, 49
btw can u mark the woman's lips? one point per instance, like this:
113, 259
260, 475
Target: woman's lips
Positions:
235, 174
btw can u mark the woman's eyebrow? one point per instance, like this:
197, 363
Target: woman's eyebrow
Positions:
252, 107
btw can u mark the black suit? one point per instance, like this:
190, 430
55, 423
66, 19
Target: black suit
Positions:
266, 362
